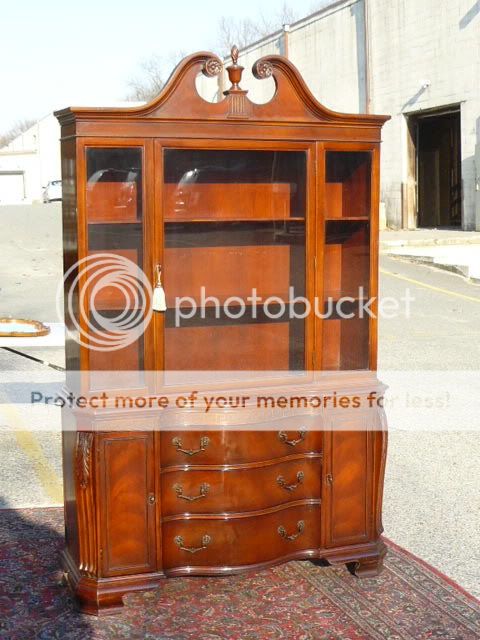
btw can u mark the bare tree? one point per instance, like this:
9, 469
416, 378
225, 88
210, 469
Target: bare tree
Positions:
18, 128
244, 32
151, 78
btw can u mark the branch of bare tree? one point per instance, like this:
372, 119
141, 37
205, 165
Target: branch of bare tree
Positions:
18, 128
245, 32
152, 76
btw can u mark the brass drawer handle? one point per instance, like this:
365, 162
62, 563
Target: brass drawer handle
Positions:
204, 442
284, 437
293, 536
291, 487
204, 489
206, 539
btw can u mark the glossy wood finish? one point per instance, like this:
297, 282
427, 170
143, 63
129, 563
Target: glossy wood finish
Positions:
246, 487
127, 484
249, 539
241, 201
213, 498
227, 447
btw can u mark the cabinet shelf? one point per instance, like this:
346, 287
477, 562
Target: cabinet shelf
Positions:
114, 222
347, 219
207, 316
212, 220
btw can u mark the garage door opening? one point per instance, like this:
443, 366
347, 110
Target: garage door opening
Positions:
12, 187
438, 169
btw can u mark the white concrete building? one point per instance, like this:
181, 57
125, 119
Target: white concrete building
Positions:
33, 160
29, 162
416, 60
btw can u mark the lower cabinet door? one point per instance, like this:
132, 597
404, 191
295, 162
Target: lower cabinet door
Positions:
127, 503
348, 484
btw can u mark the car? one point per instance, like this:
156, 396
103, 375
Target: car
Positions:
53, 191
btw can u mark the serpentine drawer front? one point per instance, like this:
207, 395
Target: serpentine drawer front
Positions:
244, 540
235, 447
251, 486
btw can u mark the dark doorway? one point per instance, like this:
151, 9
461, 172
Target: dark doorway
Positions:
439, 171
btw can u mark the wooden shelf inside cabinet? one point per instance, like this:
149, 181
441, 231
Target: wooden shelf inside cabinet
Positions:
230, 201
119, 223
348, 219
216, 220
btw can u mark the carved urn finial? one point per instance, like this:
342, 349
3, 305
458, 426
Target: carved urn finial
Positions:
234, 73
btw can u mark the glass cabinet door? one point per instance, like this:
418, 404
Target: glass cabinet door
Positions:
346, 267
114, 213
234, 260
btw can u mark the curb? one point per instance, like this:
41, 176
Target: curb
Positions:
427, 242
460, 270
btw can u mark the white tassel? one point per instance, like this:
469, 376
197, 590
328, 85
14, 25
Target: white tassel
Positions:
159, 302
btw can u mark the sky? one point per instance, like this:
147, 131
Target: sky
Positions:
55, 53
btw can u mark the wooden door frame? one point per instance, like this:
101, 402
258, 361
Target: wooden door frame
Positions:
410, 195
311, 232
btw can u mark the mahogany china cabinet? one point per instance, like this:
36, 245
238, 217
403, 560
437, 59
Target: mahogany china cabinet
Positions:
281, 197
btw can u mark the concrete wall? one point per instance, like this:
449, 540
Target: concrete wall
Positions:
410, 42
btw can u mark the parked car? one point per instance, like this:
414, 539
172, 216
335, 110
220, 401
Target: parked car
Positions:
53, 191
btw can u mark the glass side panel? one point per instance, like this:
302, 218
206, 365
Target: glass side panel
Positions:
234, 260
346, 286
347, 186
114, 209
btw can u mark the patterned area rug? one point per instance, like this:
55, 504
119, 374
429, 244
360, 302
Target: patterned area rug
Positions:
295, 601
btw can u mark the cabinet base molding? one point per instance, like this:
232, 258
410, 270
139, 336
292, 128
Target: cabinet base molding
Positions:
364, 561
104, 596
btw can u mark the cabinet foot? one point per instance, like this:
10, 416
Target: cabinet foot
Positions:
103, 596
366, 567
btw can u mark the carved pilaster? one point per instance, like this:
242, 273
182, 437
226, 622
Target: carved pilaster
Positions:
85, 503
83, 460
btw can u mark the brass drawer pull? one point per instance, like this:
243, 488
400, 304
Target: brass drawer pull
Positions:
284, 437
291, 487
300, 529
204, 489
204, 442
206, 539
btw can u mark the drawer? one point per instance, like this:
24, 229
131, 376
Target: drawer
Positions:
234, 447
240, 541
253, 487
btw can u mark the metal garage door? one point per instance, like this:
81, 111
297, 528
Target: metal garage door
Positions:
11, 188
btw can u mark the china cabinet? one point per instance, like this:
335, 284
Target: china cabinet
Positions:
222, 199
